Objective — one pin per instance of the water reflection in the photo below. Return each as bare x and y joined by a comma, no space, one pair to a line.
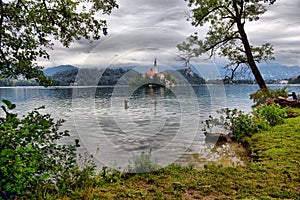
154,116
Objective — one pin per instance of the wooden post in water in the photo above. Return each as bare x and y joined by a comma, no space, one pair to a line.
126,104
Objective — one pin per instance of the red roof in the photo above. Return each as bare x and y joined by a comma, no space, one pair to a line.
150,72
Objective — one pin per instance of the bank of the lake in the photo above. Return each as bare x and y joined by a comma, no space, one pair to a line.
273,173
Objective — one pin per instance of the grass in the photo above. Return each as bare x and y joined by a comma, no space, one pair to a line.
273,174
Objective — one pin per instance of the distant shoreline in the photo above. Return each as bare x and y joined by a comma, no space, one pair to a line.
112,86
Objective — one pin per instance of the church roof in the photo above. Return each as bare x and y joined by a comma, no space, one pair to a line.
150,72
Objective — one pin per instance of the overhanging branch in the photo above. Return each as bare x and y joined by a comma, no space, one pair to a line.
231,16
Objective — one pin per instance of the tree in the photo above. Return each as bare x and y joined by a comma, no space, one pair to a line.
226,35
31,159
28,28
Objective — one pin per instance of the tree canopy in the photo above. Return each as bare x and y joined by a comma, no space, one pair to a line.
226,36
29,27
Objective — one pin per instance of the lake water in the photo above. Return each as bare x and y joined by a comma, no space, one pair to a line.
165,122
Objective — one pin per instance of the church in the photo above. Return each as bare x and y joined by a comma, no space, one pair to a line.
154,71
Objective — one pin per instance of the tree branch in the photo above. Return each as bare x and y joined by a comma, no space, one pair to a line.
224,41
1,22
33,19
215,9
47,10
242,7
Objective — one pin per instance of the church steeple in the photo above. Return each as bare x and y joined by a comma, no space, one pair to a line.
155,68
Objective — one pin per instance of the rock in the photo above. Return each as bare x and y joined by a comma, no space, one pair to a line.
218,137
285,102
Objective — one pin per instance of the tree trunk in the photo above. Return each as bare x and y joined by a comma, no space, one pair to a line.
259,79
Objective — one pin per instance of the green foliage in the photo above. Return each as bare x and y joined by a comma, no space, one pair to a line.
264,96
275,153
27,28
191,48
292,112
109,76
143,164
112,76
244,125
110,175
277,156
271,114
235,121
30,154
226,35
4,82
192,77
65,77
223,33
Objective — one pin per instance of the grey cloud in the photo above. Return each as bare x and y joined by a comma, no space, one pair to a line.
293,51
280,26
284,11
144,24
134,42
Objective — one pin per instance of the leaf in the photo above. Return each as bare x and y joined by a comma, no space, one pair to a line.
6,102
4,109
9,105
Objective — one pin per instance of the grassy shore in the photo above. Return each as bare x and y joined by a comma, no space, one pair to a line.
273,173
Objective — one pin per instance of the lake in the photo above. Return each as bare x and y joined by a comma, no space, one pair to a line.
165,122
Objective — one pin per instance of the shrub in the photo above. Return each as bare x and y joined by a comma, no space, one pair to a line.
30,154
241,124
265,96
110,175
143,164
235,121
271,114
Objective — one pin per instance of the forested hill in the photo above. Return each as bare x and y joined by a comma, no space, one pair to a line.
113,76
53,70
65,77
184,75
294,80
89,76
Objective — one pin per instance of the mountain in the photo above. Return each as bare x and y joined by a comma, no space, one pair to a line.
65,74
295,80
65,77
269,72
277,71
90,76
52,70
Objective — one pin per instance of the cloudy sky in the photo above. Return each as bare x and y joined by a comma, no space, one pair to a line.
141,30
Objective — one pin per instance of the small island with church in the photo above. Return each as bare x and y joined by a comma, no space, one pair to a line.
153,72
154,77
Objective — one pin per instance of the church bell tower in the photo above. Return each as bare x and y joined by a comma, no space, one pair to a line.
155,68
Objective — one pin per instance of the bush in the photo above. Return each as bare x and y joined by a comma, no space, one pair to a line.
266,96
110,175
241,124
143,164
271,114
235,121
29,152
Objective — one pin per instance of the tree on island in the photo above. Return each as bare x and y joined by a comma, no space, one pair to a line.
28,28
226,36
